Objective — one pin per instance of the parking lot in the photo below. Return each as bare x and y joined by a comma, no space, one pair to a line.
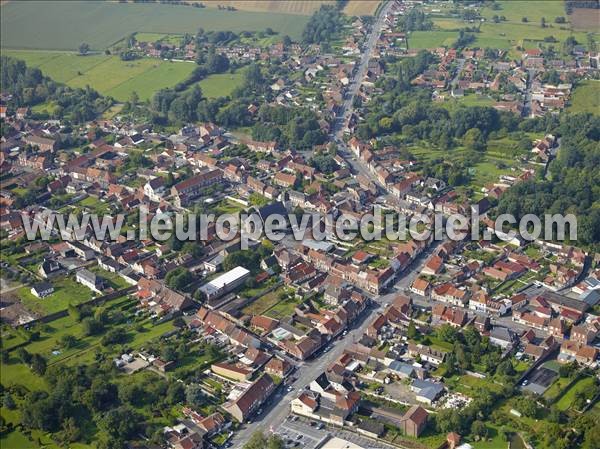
304,433
539,381
299,434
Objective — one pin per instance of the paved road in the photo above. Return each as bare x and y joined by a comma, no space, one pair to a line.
347,107
527,97
306,372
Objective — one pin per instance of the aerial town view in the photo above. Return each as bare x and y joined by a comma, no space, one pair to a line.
319,224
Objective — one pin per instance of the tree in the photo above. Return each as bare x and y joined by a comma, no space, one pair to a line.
70,431
134,98
412,332
479,429
178,278
258,440
67,341
524,19
543,22
23,356
474,140
84,48
195,396
9,402
38,364
560,19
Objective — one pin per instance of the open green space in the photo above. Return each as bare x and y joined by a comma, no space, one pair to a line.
109,75
264,303
515,10
65,25
586,98
431,39
566,400
66,291
220,84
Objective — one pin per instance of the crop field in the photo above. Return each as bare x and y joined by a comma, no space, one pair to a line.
586,98
107,74
301,7
585,19
65,25
361,7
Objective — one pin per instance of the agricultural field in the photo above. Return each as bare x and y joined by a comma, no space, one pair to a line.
585,19
586,98
361,7
109,75
65,25
301,7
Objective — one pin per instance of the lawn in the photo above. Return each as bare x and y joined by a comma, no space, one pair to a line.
107,74
431,39
264,303
567,399
556,388
586,97
66,291
221,84
65,25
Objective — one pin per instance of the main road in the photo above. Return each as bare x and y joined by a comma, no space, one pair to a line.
347,107
275,412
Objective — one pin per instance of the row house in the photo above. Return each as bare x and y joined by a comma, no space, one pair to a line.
185,191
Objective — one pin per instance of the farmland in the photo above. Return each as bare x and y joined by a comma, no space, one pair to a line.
107,74
64,25
586,98
301,7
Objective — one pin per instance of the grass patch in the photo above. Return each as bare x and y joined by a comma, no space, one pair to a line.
586,98
566,400
66,291
221,84
431,39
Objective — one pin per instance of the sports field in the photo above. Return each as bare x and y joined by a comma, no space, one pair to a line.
107,74
65,25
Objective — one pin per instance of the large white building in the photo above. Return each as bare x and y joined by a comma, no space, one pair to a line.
225,283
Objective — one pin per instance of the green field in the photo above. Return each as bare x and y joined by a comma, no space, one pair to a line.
431,39
66,291
514,10
586,98
567,399
65,25
504,35
220,84
109,75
